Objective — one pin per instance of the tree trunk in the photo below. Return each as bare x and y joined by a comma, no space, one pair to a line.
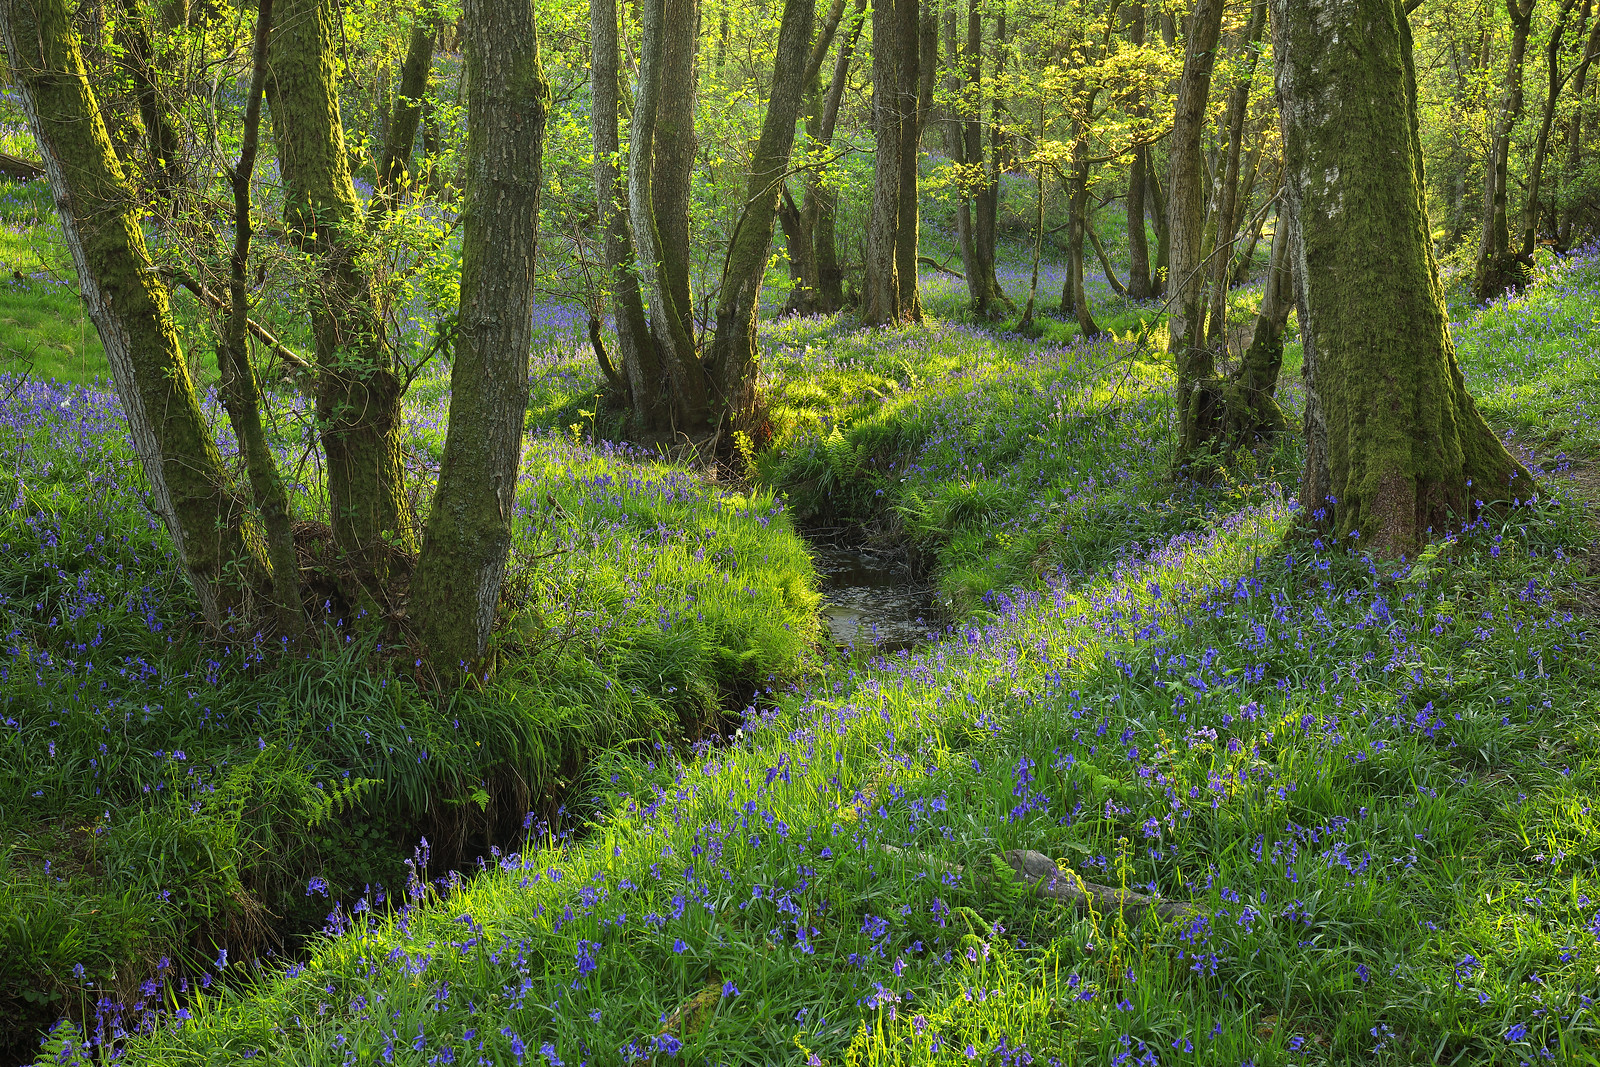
238,389
890,292
732,360
1229,210
1156,204
1250,408
1196,400
1074,295
1138,241
358,384
1397,452
1580,76
1498,269
401,136
980,197
641,366
138,61
1530,213
100,219
821,198
457,585
660,157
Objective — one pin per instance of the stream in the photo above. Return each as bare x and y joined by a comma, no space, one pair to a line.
873,598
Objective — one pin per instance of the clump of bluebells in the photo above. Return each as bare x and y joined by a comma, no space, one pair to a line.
1367,784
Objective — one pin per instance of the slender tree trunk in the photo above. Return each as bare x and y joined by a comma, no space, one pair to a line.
1398,453
799,220
641,367
659,165
821,199
457,585
239,390
1530,213
1227,218
1074,295
100,219
358,384
733,347
401,135
1139,287
1591,50
138,60
1196,401
1156,204
980,201
1250,407
1497,268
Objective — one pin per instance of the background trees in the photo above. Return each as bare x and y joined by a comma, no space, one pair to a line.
1138,142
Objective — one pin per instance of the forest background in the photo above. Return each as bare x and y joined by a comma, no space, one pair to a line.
347,528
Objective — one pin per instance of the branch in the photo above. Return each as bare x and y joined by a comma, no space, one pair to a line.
258,331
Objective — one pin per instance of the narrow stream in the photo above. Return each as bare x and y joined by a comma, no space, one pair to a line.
872,598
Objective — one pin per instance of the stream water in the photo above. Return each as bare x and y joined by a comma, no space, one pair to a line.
873,598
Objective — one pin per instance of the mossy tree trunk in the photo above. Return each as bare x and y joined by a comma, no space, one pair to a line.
1186,211
1396,450
359,388
660,158
1498,268
1580,76
641,366
732,358
891,292
457,584
401,136
100,219
1250,409
979,206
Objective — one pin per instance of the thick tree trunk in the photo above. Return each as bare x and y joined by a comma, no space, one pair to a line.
100,219
732,359
457,585
1498,269
1229,210
1197,396
890,292
641,366
660,157
358,384
1397,452
1530,213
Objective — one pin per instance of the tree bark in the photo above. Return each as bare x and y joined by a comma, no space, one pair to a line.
660,158
100,219
138,60
1397,452
641,366
1250,407
1196,400
1580,75
358,384
457,585
1498,269
732,359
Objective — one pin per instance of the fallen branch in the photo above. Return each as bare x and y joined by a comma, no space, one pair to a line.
18,169
929,261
